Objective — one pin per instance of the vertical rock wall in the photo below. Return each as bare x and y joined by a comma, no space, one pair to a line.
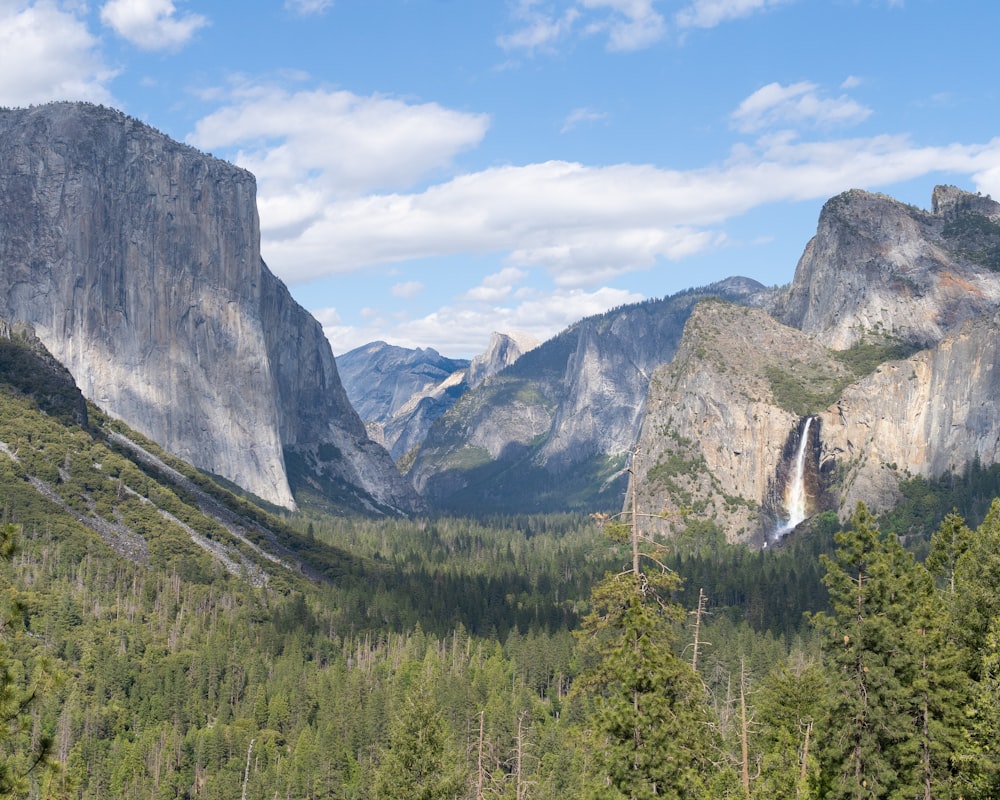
137,261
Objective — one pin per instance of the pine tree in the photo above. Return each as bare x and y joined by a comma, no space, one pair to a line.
865,750
896,690
650,718
416,763
977,628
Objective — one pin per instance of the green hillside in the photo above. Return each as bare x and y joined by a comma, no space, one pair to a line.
164,638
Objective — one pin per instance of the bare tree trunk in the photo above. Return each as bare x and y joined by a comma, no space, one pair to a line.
246,772
744,735
803,770
480,773
635,515
702,599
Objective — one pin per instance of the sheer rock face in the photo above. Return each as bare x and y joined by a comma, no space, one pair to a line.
137,261
400,392
553,429
716,437
930,414
878,265
503,350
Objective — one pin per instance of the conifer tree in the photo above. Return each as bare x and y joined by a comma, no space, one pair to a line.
650,718
864,752
896,691
417,764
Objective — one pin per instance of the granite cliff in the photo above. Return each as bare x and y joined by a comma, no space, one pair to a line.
551,432
881,360
400,392
136,260
878,265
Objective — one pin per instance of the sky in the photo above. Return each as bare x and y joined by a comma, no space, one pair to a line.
431,171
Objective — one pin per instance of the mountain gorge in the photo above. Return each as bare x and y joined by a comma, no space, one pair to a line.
136,260
551,431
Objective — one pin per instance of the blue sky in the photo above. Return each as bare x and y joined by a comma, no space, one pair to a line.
430,171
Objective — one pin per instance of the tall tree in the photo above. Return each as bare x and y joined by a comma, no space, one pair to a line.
891,729
650,714
22,753
418,763
863,753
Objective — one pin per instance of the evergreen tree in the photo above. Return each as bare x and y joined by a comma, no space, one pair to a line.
977,627
896,692
788,707
864,751
650,718
418,763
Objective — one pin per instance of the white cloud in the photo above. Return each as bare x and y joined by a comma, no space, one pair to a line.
310,148
306,7
538,30
628,24
48,54
498,286
458,330
709,13
581,115
406,289
585,224
151,24
795,105
631,25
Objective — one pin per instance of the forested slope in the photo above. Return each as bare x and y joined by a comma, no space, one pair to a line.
168,639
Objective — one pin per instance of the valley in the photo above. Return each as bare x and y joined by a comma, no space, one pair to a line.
741,541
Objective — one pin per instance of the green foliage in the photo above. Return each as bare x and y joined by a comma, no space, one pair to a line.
649,719
25,676
803,389
975,237
863,357
896,692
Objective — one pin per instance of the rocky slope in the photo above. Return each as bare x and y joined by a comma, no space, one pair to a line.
399,392
878,265
136,260
551,431
893,358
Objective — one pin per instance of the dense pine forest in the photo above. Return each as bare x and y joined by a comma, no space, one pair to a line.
164,638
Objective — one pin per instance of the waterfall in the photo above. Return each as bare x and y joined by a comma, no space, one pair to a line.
795,490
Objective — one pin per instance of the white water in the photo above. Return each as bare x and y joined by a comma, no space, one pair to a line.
795,490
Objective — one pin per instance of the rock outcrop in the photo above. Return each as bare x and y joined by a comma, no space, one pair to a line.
136,259
551,432
400,392
502,351
879,266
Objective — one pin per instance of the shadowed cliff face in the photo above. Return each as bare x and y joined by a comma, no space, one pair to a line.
137,261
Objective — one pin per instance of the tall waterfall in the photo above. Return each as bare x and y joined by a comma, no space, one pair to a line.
795,490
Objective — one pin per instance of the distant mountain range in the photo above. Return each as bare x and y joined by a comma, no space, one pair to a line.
135,261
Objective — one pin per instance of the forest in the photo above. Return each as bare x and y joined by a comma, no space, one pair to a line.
151,647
